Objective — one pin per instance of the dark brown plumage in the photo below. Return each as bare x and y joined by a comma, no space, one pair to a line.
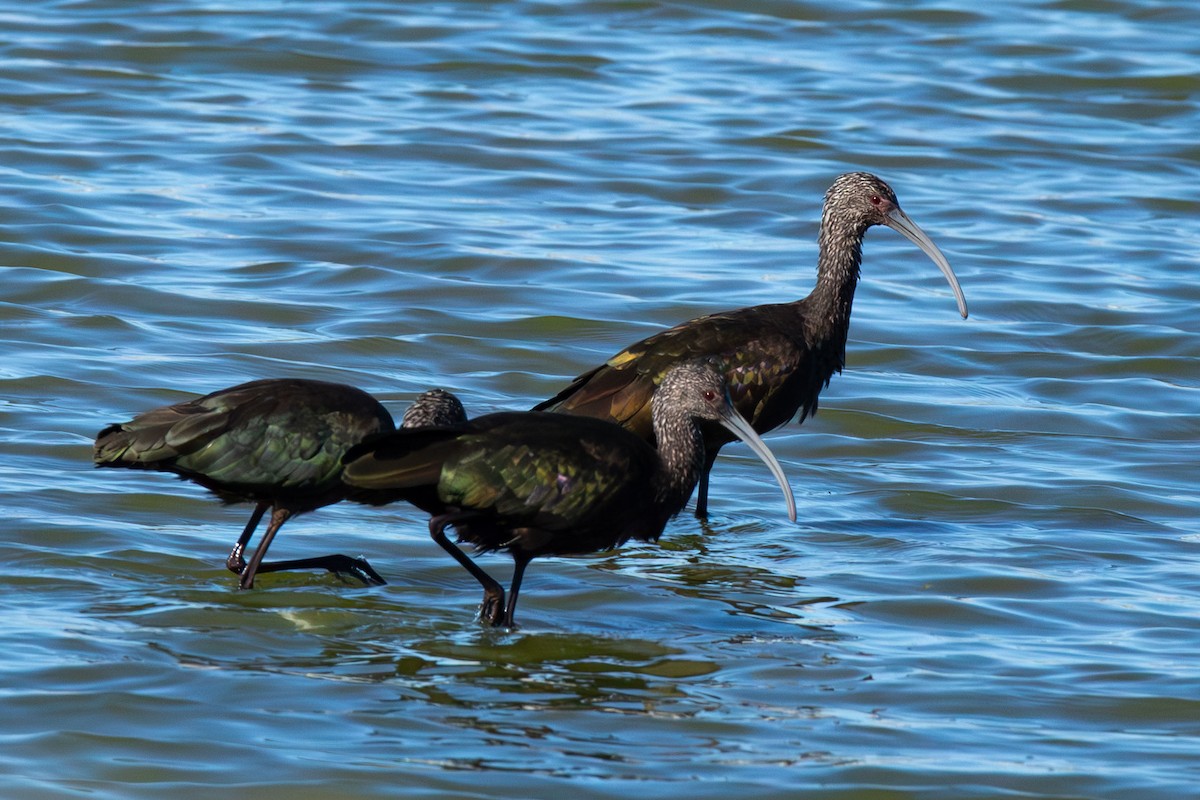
434,407
275,443
545,484
776,358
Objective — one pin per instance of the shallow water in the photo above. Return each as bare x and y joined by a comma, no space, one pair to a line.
992,590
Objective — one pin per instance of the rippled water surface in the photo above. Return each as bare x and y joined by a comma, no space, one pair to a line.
992,591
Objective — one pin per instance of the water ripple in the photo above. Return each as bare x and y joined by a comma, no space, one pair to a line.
493,198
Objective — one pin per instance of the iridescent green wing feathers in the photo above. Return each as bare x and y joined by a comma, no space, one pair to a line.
545,479
540,472
282,434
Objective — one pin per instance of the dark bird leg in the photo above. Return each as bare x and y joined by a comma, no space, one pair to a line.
336,563
710,457
521,561
278,517
236,562
493,592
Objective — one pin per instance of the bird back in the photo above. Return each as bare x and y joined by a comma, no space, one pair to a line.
525,472
265,437
771,368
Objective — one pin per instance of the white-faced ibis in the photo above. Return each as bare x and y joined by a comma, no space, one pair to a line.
548,484
776,357
434,407
276,443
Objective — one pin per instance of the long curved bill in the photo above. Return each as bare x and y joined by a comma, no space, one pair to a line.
739,427
899,221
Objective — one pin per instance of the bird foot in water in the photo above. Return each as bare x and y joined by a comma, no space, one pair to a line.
340,565
235,563
343,566
492,610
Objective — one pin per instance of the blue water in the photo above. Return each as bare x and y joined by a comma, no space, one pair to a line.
992,590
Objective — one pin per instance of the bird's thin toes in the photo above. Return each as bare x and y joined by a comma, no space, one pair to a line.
492,610
360,569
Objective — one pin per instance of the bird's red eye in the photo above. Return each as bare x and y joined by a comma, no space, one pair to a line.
709,394
876,199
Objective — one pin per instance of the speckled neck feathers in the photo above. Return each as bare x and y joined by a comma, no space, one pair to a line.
680,453
838,264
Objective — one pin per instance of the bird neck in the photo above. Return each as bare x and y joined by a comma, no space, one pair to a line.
838,264
680,456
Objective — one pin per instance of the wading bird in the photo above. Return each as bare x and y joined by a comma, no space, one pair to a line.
549,484
776,358
434,407
276,443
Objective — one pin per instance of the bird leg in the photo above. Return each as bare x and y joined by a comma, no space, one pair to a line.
520,560
493,593
336,563
702,489
278,517
235,563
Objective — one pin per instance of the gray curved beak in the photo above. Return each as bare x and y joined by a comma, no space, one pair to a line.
899,221
739,427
